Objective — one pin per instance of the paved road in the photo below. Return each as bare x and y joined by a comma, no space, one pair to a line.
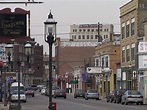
40,102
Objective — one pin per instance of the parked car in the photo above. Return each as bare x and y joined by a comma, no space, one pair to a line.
39,87
118,95
79,93
132,96
43,91
91,94
14,96
60,93
111,95
53,90
29,91
34,86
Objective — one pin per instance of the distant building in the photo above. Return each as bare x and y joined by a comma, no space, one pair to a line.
89,32
70,55
46,69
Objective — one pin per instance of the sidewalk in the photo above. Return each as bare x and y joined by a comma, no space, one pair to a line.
2,107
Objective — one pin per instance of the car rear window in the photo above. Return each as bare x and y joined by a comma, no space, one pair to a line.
93,91
134,92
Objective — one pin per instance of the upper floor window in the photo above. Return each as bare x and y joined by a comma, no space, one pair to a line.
123,31
102,62
132,26
91,36
133,52
106,61
92,30
83,36
128,53
97,62
127,28
96,36
87,36
123,54
79,37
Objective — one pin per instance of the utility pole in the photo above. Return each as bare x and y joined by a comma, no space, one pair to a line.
98,32
99,36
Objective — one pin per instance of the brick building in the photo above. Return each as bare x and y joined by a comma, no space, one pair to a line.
17,45
70,55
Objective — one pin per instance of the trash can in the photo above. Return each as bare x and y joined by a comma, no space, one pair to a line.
14,106
54,105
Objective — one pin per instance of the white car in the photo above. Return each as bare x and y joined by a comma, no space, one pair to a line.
43,91
14,96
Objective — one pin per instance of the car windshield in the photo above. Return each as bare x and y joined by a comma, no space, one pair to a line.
122,91
12,89
134,92
16,92
55,87
29,88
60,90
79,90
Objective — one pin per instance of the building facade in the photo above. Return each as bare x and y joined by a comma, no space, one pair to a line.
107,56
18,51
89,32
133,37
71,55
132,16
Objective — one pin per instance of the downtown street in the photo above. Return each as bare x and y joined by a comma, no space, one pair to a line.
40,102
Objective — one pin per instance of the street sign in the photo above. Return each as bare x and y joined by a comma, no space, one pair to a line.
10,79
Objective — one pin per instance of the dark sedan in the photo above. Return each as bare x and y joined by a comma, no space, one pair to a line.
79,93
60,93
29,91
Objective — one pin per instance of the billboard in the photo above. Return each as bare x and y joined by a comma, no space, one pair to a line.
13,25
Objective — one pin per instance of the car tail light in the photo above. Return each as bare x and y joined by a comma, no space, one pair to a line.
141,96
129,96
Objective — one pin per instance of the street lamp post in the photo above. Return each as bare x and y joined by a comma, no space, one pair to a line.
1,83
19,64
50,34
5,102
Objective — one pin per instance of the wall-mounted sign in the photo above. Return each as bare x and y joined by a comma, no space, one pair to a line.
78,44
142,47
142,61
13,25
94,70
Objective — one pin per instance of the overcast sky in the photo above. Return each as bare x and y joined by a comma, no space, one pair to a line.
68,12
